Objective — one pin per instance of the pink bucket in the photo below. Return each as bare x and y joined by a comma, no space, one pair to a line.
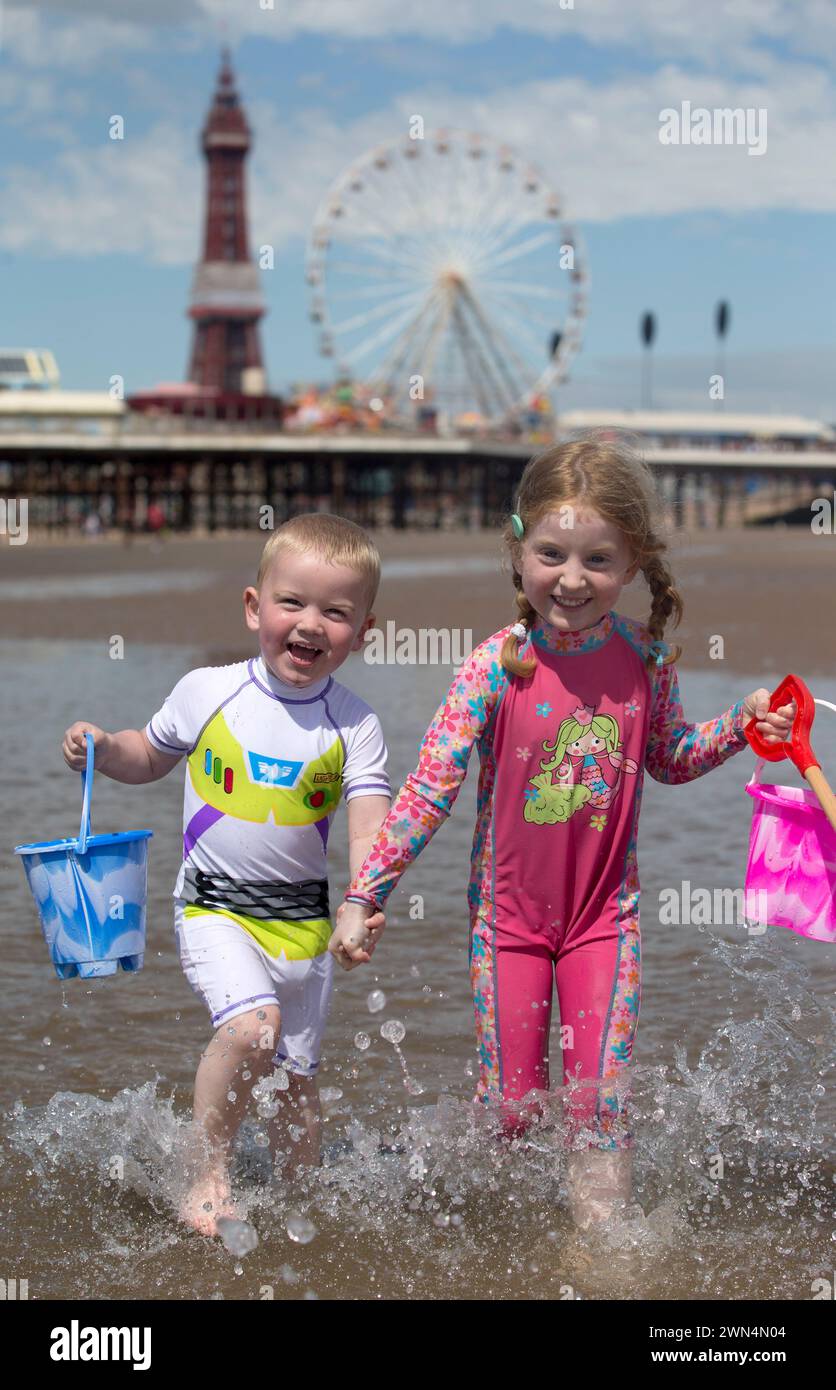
791,872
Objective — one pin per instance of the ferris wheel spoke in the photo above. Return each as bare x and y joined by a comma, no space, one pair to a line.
523,248
376,292
497,349
511,308
487,386
394,368
521,339
372,315
522,287
407,257
406,320
505,222
363,268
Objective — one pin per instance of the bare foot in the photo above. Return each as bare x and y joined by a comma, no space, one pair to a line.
207,1199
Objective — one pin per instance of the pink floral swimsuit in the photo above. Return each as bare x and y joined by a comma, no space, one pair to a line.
554,885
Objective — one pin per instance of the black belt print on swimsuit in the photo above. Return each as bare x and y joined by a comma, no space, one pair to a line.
292,902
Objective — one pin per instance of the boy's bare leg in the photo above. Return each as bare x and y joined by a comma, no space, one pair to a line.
245,1044
600,1182
295,1130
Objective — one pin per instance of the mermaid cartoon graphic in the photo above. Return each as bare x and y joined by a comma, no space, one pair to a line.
585,754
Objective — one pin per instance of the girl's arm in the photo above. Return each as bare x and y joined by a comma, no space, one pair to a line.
678,751
427,796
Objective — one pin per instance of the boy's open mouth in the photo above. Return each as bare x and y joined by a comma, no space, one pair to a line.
303,653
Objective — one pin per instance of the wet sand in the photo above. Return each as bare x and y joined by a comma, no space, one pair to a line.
764,591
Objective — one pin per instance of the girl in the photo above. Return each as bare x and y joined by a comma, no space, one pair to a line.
567,708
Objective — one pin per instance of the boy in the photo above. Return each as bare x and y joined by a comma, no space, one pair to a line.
271,745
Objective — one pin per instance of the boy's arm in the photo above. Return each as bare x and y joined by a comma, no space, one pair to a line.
130,756
678,751
125,757
350,941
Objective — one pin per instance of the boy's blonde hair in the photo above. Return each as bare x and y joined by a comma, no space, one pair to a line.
609,476
336,540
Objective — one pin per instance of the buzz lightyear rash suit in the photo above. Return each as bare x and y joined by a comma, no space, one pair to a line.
554,887
267,765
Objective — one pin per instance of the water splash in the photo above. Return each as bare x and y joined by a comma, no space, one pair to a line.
733,1175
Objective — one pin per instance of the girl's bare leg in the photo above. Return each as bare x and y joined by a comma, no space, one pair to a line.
600,1183
295,1130
245,1044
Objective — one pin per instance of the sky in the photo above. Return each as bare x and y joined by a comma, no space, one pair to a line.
98,238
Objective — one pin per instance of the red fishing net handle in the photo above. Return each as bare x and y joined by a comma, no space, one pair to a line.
798,747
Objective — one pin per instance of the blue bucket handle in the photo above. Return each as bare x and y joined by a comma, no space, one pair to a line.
86,793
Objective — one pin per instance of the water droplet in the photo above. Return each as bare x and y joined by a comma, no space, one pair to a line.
362,1041
281,1079
442,1220
300,1229
415,972
239,1237
413,1087
393,1030
245,1075
47,1042
376,1001
329,1095
177,1017
468,1068
231,1096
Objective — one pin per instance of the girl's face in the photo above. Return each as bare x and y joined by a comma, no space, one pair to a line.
574,565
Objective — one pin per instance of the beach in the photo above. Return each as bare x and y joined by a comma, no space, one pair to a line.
759,589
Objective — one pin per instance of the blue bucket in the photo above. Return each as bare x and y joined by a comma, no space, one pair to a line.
90,893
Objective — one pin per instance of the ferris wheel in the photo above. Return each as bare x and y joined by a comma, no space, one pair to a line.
441,271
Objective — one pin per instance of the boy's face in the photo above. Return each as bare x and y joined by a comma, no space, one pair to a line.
309,615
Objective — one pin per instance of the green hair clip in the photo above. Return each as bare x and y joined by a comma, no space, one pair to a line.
517,526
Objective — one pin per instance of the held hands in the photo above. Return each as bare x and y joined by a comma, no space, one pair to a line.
74,746
775,726
356,934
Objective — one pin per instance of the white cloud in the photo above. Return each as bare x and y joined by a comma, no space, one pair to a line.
597,145
28,39
122,196
713,36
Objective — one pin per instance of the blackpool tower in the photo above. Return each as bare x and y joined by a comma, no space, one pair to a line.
226,377
226,301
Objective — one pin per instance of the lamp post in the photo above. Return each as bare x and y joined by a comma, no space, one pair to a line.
648,333
722,318
554,344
